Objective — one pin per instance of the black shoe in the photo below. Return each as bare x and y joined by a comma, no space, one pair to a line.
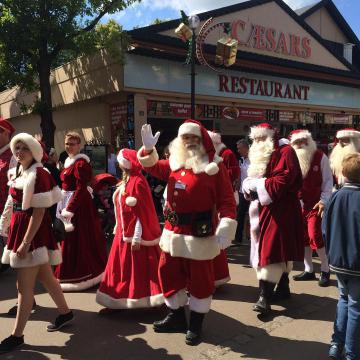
336,351
282,291
175,321
11,343
193,335
266,292
324,279
60,321
13,311
305,276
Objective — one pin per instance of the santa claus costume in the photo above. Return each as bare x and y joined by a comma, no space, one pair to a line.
274,179
221,266
314,194
131,275
84,246
200,216
347,141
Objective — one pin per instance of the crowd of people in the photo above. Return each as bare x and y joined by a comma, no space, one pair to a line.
297,199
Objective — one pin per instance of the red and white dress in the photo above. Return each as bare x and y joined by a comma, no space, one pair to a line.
84,246
35,188
131,277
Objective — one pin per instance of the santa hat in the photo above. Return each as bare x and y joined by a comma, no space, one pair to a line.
260,130
194,127
6,125
215,137
127,158
299,134
347,132
33,144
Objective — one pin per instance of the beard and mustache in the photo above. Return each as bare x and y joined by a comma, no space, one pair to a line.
259,157
305,155
337,155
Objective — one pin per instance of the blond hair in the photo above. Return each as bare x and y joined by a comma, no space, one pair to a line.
351,167
73,135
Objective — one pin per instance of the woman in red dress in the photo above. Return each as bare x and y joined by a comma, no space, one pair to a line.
31,247
84,246
131,275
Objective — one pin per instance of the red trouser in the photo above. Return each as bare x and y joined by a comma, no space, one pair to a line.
312,229
176,273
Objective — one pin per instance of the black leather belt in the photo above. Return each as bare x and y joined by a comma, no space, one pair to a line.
18,207
175,218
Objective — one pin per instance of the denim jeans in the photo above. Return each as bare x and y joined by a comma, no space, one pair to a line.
347,321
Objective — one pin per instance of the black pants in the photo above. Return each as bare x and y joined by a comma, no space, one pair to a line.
243,209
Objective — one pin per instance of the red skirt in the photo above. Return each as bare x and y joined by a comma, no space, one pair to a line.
131,278
221,269
43,249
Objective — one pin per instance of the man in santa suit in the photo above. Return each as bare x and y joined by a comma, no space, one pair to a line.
221,267
315,192
347,141
274,179
7,161
200,214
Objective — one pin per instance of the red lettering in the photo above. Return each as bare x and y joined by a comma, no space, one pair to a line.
278,89
251,38
267,93
223,83
270,37
234,84
295,46
260,88
281,45
306,53
306,90
259,32
234,30
287,93
297,92
252,85
243,85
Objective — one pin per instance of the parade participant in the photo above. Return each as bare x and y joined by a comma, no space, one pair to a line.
131,275
84,246
347,141
31,247
314,194
221,267
200,220
340,227
274,179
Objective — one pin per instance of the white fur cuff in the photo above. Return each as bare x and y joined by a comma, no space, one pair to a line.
263,195
147,160
67,214
226,229
273,272
200,305
179,299
131,201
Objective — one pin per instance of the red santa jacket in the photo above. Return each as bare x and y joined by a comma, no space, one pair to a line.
133,202
231,163
6,158
280,218
194,193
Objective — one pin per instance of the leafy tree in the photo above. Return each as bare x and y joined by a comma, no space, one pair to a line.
38,35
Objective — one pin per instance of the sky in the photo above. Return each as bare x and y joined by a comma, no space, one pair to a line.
145,12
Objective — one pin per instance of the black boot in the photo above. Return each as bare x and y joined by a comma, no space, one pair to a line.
175,321
266,290
282,291
193,335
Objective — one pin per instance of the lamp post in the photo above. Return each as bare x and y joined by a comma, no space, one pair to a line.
194,22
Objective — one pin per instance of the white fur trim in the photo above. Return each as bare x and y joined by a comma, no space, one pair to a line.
131,201
200,305
142,242
284,141
11,174
188,246
69,227
179,299
83,285
148,160
67,214
347,133
46,199
36,257
71,160
273,272
301,135
222,281
258,131
211,169
226,229
263,195
254,233
5,218
189,129
31,142
124,163
145,302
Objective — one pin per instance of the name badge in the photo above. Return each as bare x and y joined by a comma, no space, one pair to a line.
180,185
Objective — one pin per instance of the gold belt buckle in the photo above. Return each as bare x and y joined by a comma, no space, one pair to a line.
171,217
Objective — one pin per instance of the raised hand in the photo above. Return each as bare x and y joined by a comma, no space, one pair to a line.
149,140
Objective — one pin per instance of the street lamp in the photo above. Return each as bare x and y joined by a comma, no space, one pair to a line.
194,22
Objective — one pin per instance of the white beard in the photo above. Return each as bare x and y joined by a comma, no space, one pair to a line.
305,155
259,157
337,155
180,156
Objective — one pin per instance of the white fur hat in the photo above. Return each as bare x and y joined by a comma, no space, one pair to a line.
348,132
33,144
189,128
299,134
260,130
123,162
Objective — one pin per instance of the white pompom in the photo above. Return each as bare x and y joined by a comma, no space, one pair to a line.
211,169
130,201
